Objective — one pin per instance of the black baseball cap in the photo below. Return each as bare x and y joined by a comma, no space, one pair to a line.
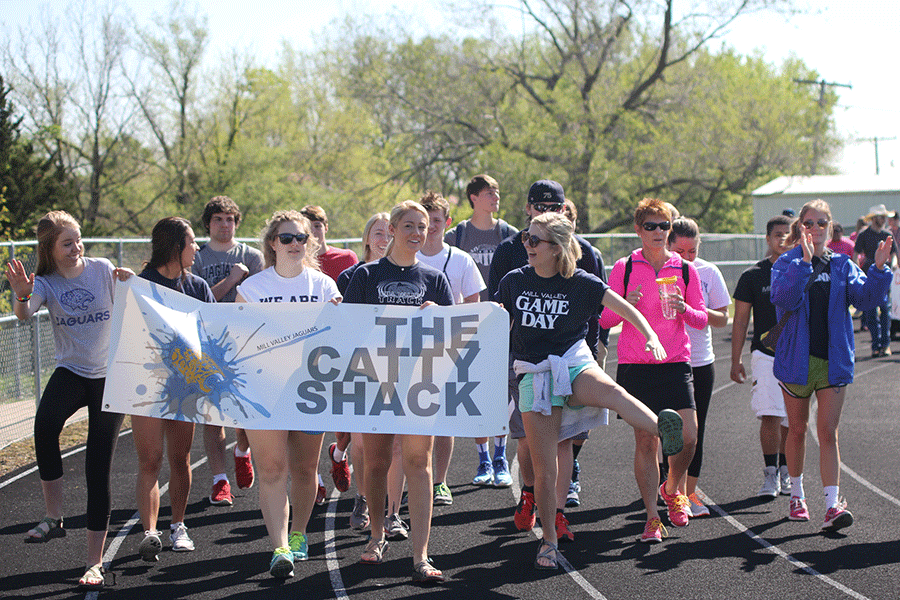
546,191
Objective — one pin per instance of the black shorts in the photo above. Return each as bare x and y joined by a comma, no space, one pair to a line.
659,386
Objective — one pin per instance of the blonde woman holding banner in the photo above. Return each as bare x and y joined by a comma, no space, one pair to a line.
400,279
291,275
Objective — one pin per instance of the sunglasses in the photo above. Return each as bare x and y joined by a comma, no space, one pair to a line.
287,238
822,223
665,226
533,240
542,208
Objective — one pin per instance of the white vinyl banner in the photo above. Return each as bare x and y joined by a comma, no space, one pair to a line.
441,370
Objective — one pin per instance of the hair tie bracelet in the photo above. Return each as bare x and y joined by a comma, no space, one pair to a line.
24,299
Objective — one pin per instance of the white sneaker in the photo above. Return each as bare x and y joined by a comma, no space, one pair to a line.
785,478
150,546
181,541
771,485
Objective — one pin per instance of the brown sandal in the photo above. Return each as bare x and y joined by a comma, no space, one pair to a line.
375,549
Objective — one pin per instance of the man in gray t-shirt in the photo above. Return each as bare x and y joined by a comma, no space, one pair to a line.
224,263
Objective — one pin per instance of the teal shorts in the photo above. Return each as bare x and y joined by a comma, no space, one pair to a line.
818,380
526,388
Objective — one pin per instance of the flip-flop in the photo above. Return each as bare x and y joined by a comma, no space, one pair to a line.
376,548
54,530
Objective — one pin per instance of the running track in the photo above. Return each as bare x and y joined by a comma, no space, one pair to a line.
746,549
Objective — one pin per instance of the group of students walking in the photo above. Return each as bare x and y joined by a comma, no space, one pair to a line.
552,284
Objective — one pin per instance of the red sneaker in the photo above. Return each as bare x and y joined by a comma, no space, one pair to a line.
340,471
562,529
524,517
320,495
243,471
221,494
678,504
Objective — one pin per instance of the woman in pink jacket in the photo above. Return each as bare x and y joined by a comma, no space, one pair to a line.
635,278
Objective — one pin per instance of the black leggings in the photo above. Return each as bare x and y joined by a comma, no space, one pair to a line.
65,393
703,387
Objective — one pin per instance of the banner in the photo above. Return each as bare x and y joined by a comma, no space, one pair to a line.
309,366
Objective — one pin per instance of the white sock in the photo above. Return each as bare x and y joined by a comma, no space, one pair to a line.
831,496
337,455
220,477
797,487
238,453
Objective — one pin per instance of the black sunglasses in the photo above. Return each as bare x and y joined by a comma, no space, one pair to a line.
542,208
822,223
287,238
533,240
665,226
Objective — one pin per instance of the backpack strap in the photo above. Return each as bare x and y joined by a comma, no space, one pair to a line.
627,274
685,273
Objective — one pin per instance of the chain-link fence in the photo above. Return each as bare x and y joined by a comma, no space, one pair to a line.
26,348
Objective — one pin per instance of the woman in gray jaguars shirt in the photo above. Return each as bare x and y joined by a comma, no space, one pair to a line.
78,292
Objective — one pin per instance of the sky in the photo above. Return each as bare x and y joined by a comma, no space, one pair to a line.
848,42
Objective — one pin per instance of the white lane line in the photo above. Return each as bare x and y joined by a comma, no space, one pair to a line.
775,549
331,560
27,472
539,533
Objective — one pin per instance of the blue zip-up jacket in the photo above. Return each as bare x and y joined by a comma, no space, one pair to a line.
848,286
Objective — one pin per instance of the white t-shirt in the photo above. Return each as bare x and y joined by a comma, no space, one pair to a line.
269,286
460,269
715,295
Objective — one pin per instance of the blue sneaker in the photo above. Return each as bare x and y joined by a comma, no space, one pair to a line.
485,475
299,546
502,478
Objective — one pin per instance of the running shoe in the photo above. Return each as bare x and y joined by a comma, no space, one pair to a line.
563,534
698,509
181,541
150,546
298,545
359,518
799,512
654,532
679,506
785,478
395,528
320,495
771,483
485,475
576,472
340,471
442,495
669,427
221,494
524,517
282,564
243,471
572,498
502,478
837,517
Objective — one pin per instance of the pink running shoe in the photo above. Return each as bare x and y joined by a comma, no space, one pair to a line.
837,517
678,504
799,512
654,532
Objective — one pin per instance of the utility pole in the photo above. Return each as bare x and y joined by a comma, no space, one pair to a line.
822,85
876,140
